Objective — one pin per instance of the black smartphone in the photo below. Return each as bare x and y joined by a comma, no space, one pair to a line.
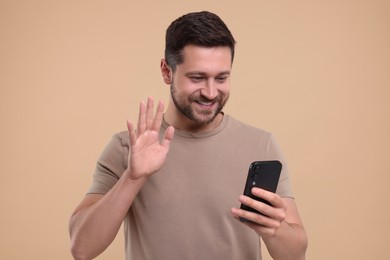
264,175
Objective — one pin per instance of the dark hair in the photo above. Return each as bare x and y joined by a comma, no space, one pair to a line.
203,29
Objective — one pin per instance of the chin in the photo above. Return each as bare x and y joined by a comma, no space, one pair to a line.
206,119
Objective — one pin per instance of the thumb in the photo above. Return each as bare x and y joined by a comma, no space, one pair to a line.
168,136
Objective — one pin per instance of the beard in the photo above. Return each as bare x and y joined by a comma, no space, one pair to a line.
203,117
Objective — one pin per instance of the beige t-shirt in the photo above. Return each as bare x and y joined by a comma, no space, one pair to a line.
183,211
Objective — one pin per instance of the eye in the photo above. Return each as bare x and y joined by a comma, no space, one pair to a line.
196,78
221,79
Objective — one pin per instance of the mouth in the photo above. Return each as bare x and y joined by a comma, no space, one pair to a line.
205,103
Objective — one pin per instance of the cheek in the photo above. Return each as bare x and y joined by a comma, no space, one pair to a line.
185,87
225,89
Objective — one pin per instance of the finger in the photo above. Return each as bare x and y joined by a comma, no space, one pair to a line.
168,136
262,230
141,118
260,206
149,113
132,134
271,197
277,209
255,218
158,117
255,204
248,215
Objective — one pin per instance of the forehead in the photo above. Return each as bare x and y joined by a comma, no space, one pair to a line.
206,59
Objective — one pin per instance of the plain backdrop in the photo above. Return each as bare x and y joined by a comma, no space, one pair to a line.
315,73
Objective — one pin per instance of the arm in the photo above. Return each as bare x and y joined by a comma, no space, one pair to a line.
96,221
280,227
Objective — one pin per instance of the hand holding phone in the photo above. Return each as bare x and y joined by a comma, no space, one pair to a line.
264,175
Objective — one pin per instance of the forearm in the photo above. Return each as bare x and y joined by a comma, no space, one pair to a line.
94,227
289,242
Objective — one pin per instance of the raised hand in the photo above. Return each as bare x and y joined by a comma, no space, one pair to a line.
147,152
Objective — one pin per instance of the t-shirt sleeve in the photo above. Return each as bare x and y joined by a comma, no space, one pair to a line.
284,189
110,165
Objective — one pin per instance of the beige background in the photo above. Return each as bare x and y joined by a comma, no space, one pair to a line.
315,73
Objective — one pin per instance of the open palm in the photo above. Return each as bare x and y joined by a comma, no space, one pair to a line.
147,151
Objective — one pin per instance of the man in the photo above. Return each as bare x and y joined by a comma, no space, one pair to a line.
174,178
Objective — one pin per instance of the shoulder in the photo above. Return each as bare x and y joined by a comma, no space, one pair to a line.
244,128
122,138
117,149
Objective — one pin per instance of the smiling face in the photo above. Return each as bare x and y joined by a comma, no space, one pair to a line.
200,87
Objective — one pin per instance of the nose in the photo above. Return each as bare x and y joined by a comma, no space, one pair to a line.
209,91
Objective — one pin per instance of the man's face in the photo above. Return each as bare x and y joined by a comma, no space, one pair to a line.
201,84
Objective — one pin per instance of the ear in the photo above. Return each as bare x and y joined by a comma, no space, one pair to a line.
166,72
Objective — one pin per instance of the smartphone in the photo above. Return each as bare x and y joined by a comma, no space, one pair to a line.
264,175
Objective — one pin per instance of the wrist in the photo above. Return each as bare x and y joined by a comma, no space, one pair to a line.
134,177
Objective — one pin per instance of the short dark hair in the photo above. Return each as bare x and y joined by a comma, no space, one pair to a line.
203,29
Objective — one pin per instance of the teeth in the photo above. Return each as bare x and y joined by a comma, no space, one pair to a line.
205,103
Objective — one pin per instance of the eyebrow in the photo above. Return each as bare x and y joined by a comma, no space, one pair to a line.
192,73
